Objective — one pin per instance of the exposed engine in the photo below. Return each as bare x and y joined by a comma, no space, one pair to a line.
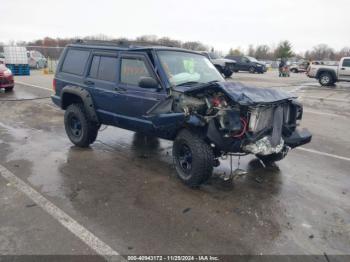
213,105
259,129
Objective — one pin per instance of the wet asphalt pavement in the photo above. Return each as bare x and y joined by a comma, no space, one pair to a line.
124,190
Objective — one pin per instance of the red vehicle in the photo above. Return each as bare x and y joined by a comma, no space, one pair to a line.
6,78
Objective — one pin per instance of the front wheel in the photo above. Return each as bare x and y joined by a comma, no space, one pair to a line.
193,158
252,70
326,79
9,89
80,130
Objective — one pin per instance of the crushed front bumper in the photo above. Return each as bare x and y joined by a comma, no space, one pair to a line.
298,138
265,146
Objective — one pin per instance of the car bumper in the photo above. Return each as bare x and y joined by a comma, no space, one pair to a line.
261,69
298,138
6,83
56,100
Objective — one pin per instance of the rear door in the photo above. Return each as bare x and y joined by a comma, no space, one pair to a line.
344,70
101,81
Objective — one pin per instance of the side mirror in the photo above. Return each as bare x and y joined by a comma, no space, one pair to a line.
148,82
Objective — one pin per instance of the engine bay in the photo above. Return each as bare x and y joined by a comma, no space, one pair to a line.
257,129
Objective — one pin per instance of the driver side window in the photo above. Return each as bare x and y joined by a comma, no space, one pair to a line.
132,70
346,63
245,60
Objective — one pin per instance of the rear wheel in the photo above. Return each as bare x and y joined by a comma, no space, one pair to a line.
252,70
227,73
80,130
193,158
326,79
294,70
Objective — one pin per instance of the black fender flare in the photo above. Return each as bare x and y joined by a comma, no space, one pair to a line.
323,70
85,96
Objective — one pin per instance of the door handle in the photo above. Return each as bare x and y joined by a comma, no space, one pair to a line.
342,68
89,83
120,89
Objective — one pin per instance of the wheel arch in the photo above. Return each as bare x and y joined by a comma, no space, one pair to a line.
324,70
74,94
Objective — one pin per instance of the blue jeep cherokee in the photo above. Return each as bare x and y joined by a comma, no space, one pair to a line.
174,94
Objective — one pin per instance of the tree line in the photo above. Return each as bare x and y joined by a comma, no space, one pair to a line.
52,47
285,50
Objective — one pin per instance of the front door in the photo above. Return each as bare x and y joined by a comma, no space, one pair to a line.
344,70
137,101
244,63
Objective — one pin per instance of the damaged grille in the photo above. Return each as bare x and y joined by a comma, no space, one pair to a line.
267,117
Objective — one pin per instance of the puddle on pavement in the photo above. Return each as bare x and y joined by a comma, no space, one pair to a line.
17,94
134,175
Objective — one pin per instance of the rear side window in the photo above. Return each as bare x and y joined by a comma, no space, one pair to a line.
132,70
108,68
75,61
346,62
103,68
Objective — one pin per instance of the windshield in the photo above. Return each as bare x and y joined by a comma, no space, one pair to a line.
252,59
182,67
214,56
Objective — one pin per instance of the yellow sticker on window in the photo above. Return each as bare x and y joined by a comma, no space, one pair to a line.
189,65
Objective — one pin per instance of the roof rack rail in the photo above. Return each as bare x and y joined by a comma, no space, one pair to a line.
120,43
102,42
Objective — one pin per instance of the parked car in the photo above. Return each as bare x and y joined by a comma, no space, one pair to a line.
327,75
247,63
6,78
174,94
36,59
224,65
299,67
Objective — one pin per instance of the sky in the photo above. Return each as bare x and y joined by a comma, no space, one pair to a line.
221,24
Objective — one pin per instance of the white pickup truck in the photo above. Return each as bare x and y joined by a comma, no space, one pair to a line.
327,75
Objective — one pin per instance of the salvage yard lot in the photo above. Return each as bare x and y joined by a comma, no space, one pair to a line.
124,191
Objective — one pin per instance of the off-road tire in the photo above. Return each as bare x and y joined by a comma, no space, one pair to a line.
89,129
202,158
326,79
252,70
227,73
9,89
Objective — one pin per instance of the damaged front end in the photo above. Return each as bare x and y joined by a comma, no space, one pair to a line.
237,119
